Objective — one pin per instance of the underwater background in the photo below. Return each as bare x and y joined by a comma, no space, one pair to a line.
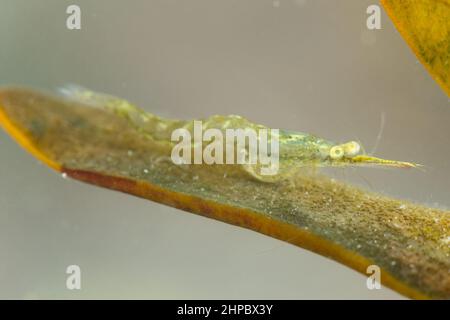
302,65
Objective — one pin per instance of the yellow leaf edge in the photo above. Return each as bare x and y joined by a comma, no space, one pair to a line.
412,44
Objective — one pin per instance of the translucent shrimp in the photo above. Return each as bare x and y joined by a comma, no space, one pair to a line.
297,150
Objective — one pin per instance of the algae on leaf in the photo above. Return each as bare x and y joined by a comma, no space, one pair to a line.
409,242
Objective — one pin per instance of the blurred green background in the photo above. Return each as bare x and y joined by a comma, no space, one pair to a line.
303,65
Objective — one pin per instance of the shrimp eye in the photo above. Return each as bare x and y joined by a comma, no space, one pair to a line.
336,152
351,148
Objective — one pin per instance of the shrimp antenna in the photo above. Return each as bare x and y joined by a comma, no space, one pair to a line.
367,182
380,132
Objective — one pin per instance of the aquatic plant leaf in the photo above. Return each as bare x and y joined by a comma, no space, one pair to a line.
409,242
425,25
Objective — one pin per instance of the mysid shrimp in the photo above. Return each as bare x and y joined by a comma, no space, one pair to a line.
287,152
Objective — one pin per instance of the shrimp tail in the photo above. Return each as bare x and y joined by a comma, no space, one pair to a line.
96,99
135,115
